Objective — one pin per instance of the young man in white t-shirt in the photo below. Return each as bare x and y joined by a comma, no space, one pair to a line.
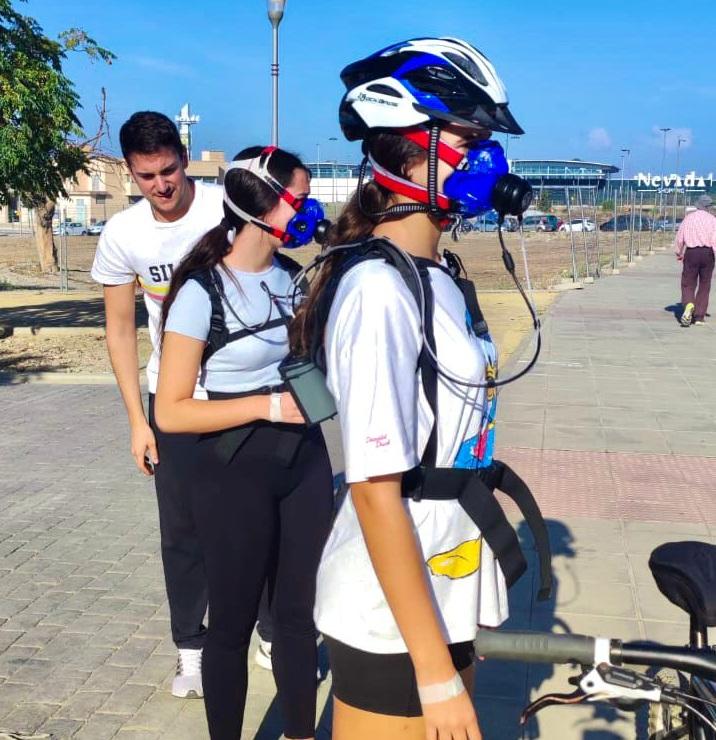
141,246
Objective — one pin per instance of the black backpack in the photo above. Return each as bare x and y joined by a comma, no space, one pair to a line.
473,488
219,335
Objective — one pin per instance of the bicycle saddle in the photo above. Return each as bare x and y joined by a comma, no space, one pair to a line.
685,573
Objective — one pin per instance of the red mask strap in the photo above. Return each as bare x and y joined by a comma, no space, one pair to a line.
274,184
446,153
404,187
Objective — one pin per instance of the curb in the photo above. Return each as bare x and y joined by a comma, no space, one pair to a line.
57,331
56,378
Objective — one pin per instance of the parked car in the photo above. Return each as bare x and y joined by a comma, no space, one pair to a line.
96,229
579,224
541,222
485,222
70,229
623,223
667,224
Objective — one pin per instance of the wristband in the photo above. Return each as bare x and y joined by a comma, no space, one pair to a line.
437,692
275,414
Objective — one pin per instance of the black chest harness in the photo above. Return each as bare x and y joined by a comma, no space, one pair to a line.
219,334
229,441
473,488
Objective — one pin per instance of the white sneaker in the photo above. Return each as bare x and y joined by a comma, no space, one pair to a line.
187,681
263,654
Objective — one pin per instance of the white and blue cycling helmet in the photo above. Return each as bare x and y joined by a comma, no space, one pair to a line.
424,81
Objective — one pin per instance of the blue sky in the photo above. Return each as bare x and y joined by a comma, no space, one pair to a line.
585,79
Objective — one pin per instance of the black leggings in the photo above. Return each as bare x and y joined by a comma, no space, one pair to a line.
264,514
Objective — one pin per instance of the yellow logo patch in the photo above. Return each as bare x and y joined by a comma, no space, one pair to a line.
460,562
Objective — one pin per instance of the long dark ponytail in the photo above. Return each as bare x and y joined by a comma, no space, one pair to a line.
396,154
252,195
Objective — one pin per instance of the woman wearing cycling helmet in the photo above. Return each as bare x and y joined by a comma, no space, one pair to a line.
263,491
404,583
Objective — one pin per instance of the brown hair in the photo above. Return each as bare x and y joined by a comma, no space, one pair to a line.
252,195
396,154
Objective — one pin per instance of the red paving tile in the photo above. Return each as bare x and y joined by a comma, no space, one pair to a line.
618,485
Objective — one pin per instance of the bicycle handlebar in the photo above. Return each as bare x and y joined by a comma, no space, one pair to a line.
545,647
537,647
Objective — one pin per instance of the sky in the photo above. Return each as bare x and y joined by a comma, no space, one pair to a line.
585,79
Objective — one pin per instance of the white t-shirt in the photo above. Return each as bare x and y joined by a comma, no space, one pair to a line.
250,362
373,341
135,246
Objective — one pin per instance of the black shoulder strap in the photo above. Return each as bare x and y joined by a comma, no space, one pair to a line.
218,333
428,371
467,288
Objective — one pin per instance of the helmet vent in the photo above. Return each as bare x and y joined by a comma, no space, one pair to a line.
468,67
384,90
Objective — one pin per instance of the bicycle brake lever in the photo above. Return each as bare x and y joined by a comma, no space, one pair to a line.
550,700
609,682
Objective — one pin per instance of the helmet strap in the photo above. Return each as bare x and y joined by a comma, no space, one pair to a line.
435,209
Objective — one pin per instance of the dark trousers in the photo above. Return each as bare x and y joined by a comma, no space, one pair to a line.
263,515
698,269
184,575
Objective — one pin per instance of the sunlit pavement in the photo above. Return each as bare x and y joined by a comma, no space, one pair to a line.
614,432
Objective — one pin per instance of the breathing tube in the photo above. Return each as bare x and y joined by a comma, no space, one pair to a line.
481,181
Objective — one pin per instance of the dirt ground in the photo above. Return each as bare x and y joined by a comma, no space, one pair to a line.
29,298
550,257
84,354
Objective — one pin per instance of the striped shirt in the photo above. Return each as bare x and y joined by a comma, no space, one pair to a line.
698,229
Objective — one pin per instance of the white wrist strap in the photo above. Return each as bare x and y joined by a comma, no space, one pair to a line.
437,692
275,408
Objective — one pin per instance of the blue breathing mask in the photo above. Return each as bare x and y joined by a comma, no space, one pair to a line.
302,228
472,187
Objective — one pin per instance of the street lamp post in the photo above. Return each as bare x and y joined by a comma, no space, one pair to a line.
663,153
625,154
275,14
333,189
679,142
663,158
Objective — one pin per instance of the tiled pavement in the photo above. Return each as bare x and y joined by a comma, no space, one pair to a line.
613,430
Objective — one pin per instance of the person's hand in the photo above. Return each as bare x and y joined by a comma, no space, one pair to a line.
290,413
453,719
679,257
144,445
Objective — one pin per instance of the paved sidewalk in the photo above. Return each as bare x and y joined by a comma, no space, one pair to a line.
615,432
612,430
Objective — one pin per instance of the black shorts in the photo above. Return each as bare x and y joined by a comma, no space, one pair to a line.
383,683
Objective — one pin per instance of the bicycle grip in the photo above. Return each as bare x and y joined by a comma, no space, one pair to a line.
535,647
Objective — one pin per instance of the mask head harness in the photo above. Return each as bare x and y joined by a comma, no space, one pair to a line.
481,181
309,221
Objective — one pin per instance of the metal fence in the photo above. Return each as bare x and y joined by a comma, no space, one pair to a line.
606,234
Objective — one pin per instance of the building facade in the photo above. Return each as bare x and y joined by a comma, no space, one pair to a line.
105,190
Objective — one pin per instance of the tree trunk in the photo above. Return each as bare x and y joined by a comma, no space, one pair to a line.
46,249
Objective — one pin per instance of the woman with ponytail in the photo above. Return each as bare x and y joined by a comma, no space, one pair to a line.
263,488
406,575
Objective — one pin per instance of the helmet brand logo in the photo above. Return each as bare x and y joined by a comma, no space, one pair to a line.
363,98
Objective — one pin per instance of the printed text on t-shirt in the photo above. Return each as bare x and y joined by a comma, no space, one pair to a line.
161,273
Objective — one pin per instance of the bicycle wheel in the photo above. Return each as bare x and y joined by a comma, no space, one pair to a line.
667,718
